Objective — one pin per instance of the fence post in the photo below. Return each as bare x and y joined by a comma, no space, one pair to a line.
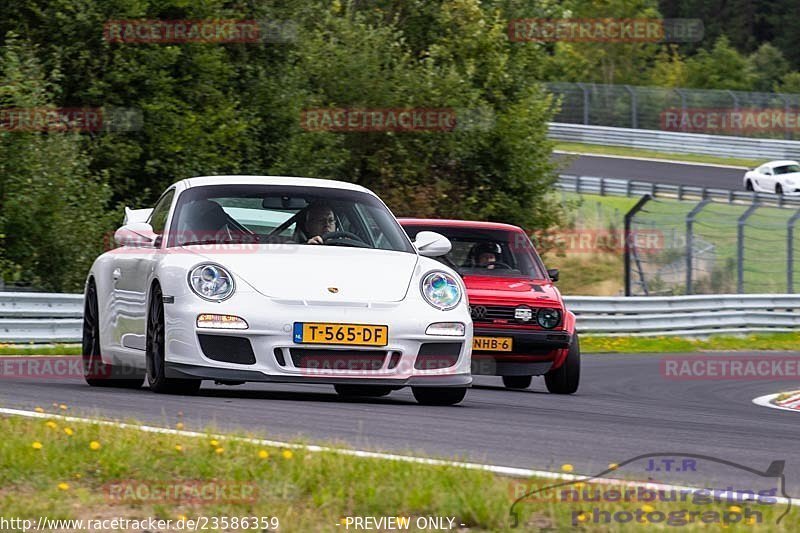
790,252
683,104
628,218
740,246
787,108
735,100
585,104
634,117
690,241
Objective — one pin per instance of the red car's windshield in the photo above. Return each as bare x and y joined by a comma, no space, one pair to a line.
487,252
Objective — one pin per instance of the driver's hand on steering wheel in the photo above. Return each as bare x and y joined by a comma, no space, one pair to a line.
317,239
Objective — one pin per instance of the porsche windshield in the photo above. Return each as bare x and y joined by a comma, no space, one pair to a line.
487,252
787,169
284,215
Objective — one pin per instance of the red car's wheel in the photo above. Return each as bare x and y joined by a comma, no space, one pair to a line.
565,379
517,382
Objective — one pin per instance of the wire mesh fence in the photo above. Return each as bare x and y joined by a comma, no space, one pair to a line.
713,248
724,112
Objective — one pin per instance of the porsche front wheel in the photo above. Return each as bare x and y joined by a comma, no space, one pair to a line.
156,366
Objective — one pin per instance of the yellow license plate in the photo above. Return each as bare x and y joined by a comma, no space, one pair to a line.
350,334
492,344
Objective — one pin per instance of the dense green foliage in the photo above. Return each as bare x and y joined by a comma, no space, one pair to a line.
210,108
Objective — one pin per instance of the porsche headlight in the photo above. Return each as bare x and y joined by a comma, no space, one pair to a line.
211,282
548,317
441,290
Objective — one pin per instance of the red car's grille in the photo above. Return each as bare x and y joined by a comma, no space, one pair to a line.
488,313
504,314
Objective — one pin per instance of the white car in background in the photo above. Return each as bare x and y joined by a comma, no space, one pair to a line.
779,177
220,282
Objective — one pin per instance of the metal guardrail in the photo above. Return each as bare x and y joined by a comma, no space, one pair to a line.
24,318
675,142
686,315
621,187
40,317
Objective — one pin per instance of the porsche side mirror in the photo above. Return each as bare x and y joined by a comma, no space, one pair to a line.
135,234
432,244
136,215
553,273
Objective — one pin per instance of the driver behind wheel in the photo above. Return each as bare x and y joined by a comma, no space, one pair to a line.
319,220
485,254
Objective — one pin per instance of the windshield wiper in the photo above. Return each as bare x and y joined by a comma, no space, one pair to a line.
219,241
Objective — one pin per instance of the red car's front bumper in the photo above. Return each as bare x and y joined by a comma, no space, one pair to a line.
534,352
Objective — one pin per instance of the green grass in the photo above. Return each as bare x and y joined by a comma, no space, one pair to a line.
584,148
34,349
67,478
600,344
666,344
596,344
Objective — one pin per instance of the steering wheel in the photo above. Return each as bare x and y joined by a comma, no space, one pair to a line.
344,238
499,265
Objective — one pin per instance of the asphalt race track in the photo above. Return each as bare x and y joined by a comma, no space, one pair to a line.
670,173
624,408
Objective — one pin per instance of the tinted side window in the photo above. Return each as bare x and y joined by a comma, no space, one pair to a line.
158,219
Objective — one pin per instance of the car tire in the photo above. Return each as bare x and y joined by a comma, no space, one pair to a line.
156,366
370,391
517,382
95,371
749,186
439,395
565,379
778,188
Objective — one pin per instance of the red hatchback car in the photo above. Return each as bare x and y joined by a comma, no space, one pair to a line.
521,326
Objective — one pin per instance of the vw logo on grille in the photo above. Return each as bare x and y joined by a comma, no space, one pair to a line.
478,312
523,313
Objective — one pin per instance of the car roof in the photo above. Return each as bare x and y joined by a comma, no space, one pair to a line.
780,162
203,181
477,224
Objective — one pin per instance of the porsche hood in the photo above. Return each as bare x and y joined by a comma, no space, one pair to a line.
319,273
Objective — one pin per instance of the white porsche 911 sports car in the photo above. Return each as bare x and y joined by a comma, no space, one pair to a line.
779,177
249,278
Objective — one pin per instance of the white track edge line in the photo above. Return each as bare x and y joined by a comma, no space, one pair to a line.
503,470
652,159
766,401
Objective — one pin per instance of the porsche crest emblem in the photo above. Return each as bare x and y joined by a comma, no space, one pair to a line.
333,290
